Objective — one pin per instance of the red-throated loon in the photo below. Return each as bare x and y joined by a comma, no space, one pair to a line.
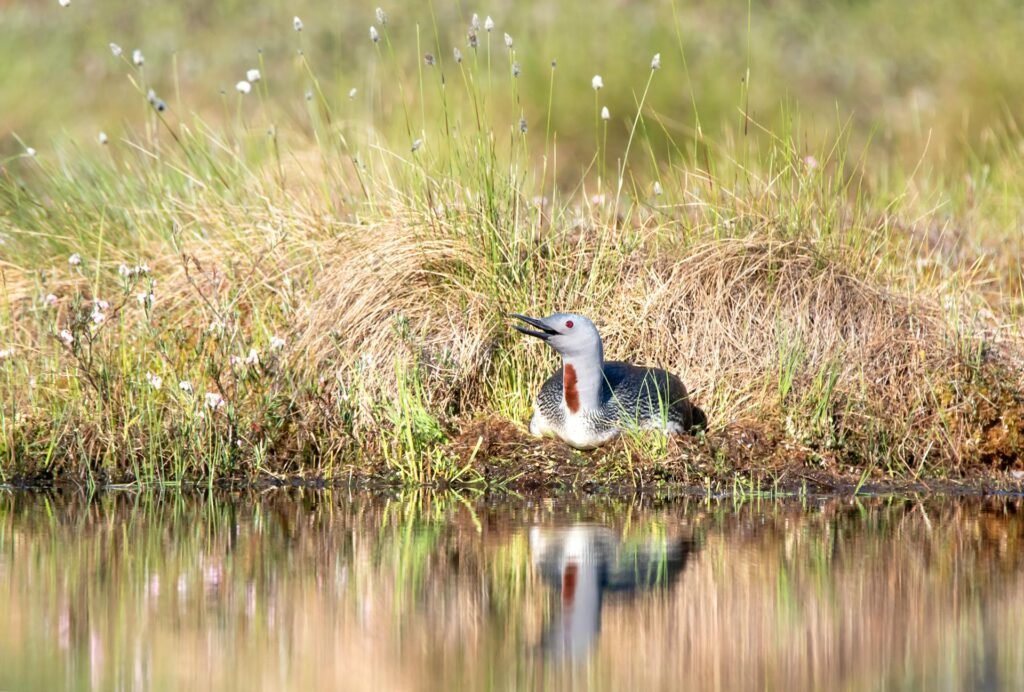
590,401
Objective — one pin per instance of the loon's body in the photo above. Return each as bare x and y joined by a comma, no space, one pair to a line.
589,402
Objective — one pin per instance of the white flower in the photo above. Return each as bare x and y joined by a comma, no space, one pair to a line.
29,151
605,114
144,299
102,137
185,386
64,3
657,189
138,58
155,381
75,260
656,62
597,82
213,400
352,93
243,87
124,270
98,317
458,54
297,23
417,144
50,299
475,21
382,18
508,41
253,75
253,358
309,94
116,50
101,304
276,343
489,24
6,353
141,268
374,36
66,336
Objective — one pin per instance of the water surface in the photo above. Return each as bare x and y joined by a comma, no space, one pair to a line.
309,590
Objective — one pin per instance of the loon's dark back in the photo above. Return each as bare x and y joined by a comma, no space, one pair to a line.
651,392
634,392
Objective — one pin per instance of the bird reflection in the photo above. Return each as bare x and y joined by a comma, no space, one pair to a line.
584,562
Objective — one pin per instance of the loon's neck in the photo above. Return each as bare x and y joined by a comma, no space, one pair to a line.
582,381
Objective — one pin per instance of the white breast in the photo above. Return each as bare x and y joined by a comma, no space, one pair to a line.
577,431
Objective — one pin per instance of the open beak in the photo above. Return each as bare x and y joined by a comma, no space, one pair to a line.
545,332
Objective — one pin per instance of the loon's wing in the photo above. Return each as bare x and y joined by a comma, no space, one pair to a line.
649,392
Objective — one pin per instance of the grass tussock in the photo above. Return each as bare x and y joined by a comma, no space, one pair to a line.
327,300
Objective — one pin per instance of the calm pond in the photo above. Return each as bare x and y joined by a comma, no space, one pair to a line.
308,590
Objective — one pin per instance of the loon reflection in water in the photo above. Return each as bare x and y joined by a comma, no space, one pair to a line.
582,563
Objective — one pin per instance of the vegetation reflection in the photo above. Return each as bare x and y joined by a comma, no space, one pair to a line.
293,589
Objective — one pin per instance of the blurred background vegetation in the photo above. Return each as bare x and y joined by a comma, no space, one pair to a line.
938,80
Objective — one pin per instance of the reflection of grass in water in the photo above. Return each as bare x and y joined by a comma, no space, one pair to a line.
822,596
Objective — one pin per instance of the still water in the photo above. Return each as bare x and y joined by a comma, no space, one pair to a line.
309,590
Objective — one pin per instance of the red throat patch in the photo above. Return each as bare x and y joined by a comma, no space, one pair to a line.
572,395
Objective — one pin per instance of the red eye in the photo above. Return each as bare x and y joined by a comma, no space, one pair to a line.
568,324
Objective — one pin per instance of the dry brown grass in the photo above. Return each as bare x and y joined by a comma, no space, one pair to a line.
793,337
911,377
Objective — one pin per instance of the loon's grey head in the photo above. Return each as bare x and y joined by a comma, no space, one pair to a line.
572,335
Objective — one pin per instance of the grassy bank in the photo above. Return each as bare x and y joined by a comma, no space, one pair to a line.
315,286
